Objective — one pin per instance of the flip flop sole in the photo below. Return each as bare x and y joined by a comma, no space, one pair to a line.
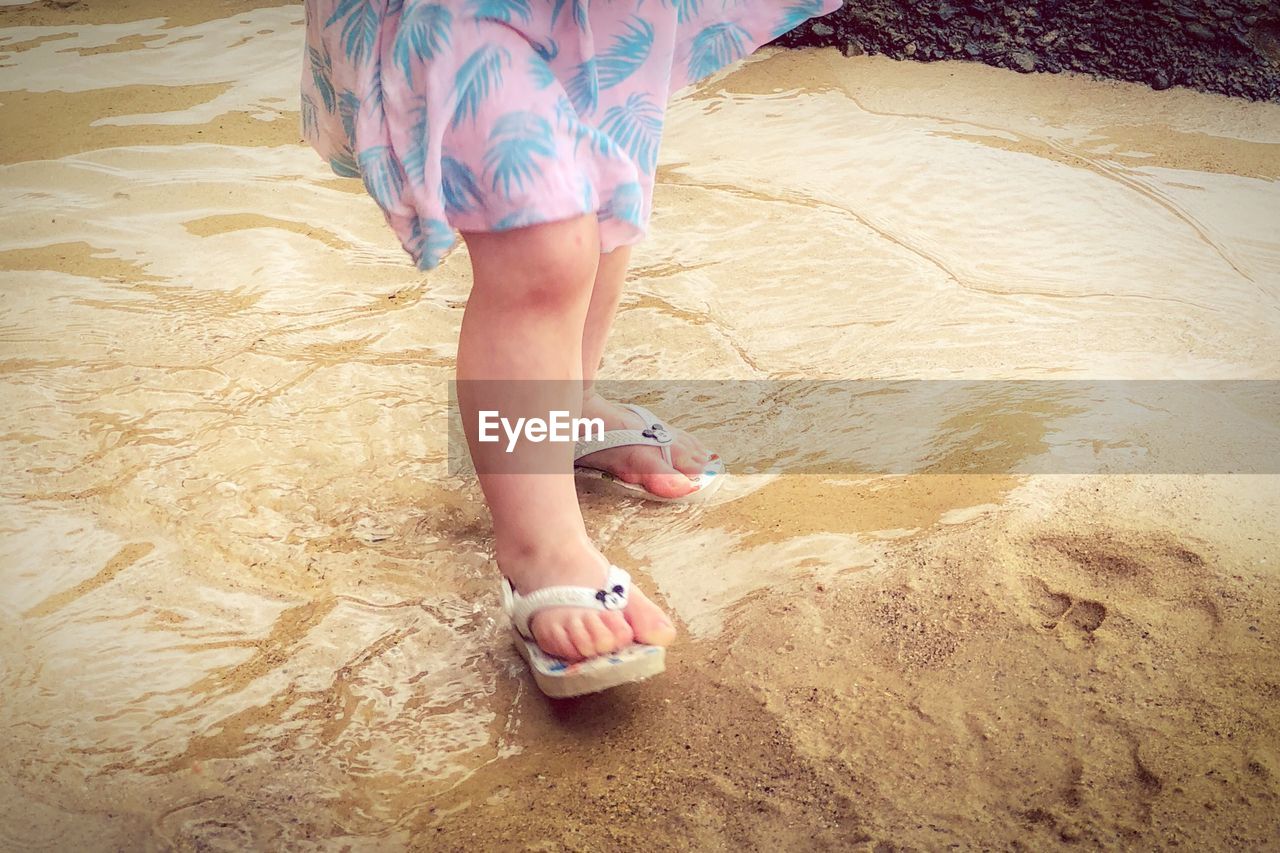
560,679
706,483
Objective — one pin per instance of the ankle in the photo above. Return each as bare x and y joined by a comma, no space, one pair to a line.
532,563
595,404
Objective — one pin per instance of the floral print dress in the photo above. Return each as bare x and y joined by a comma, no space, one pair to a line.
487,115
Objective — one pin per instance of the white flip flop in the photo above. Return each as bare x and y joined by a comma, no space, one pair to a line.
656,434
558,678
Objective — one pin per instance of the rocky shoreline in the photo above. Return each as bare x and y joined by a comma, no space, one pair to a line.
1227,46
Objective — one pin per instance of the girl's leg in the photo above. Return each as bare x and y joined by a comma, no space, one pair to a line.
524,322
643,465
606,293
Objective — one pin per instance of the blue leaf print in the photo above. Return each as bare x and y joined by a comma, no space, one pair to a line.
686,10
519,219
415,156
625,204
516,138
394,7
359,28
797,13
580,13
548,51
479,75
344,165
600,142
321,68
584,87
310,127
636,125
348,106
439,236
715,47
382,176
423,33
565,116
627,53
461,190
373,102
540,74
501,10
430,238
567,120
555,12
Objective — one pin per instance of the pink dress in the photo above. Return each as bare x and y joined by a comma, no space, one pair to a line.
486,115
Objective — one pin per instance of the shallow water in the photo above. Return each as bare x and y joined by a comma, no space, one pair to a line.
237,574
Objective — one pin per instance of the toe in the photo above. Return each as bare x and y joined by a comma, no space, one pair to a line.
645,468
687,461
692,444
620,627
580,636
647,620
602,638
669,484
573,634
552,638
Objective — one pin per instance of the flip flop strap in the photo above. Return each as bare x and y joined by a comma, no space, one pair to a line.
655,434
521,608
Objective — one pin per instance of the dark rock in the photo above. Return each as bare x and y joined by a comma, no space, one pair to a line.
1227,46
1023,61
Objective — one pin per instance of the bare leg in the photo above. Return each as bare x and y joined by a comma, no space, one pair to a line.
525,320
643,465
606,292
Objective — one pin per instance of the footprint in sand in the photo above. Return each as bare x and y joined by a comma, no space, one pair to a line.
1059,607
1155,579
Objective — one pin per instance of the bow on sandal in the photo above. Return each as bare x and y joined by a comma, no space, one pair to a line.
558,678
654,434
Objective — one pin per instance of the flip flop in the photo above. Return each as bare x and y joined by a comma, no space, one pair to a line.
656,434
558,678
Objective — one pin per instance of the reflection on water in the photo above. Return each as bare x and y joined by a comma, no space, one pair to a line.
244,600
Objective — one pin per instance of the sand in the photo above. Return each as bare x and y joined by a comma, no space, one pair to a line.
247,605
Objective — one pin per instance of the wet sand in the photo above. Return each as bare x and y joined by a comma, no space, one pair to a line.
246,605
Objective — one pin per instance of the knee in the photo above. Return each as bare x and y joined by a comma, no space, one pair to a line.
545,268
555,277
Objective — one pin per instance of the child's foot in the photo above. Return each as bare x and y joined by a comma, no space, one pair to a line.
574,633
642,465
